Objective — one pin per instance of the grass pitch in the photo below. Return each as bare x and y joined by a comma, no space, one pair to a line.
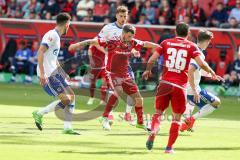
215,137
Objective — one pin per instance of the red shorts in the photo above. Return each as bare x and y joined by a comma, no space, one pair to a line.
167,93
97,74
127,83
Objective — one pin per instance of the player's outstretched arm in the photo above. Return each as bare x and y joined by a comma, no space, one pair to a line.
75,46
42,49
150,65
152,45
203,64
191,80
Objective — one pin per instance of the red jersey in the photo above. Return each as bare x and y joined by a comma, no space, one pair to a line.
97,59
119,54
177,53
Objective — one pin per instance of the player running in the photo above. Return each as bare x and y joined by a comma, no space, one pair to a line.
205,101
97,71
118,77
177,54
108,32
52,77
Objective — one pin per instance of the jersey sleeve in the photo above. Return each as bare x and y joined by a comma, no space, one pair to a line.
104,33
48,39
194,64
138,44
159,49
102,42
196,51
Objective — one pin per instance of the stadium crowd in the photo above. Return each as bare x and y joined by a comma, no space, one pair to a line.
224,14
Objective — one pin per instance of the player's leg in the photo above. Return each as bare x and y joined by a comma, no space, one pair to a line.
103,90
178,101
161,103
92,77
208,104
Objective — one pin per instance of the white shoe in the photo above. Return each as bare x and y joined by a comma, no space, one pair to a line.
106,125
90,101
102,102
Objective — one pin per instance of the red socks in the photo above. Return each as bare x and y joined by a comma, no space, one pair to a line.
173,134
103,92
110,104
154,126
139,112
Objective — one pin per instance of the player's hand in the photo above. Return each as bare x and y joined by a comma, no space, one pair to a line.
146,75
136,53
43,79
72,47
196,96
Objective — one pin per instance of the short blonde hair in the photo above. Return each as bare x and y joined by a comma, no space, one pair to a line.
122,9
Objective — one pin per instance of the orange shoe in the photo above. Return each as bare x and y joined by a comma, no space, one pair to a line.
190,121
183,127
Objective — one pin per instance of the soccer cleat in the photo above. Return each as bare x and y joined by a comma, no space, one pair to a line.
187,125
183,127
128,117
169,150
149,145
105,124
70,131
38,119
90,101
142,126
110,119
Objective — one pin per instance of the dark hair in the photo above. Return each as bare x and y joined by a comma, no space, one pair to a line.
22,42
122,9
129,28
62,18
204,35
182,29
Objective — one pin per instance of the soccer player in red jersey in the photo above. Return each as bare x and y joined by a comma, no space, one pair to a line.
97,65
177,53
118,77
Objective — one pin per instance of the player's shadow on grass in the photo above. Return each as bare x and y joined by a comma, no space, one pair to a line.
207,148
105,152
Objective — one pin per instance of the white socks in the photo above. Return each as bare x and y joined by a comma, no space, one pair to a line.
128,108
49,108
204,111
189,110
68,113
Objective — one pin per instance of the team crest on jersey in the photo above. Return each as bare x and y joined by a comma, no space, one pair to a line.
55,52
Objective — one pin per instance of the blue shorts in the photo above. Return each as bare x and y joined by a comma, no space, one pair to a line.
131,73
56,85
205,98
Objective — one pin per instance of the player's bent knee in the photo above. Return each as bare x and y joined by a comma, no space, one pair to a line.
139,101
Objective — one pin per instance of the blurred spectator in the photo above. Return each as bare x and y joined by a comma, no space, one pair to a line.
31,6
8,54
48,16
20,61
166,14
143,20
107,20
232,23
166,34
149,11
3,7
69,7
136,11
187,19
235,12
236,65
33,60
12,6
198,15
51,6
222,65
100,10
218,16
82,8
182,11
113,9
89,17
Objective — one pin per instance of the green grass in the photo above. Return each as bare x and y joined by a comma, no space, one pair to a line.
215,137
